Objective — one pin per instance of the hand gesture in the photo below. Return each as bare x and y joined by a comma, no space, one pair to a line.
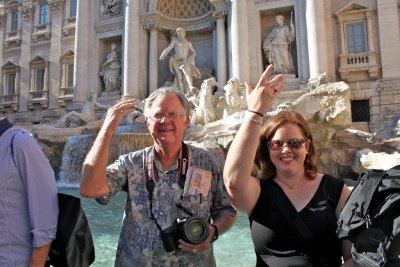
115,114
263,96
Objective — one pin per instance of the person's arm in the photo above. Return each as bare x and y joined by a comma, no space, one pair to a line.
94,182
168,49
39,256
223,223
41,194
99,105
346,244
243,189
346,253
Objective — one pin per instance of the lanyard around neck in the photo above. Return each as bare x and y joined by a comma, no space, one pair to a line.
151,179
183,166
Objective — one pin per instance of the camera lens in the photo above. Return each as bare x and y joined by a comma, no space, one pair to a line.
196,230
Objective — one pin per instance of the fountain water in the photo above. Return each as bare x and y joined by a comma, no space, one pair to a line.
126,139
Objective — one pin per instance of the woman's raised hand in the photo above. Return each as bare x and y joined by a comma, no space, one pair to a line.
261,98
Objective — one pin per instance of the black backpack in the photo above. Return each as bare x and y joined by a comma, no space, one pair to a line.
371,218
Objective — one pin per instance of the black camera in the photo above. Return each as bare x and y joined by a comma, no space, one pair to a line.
192,230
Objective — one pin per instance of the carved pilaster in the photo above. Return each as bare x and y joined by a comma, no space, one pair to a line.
26,10
55,5
3,16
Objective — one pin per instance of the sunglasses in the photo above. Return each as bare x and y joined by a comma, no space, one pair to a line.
294,143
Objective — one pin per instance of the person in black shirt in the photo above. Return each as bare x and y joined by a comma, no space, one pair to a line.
292,207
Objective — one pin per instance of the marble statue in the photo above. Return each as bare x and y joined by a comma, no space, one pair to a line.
232,98
86,115
205,105
182,62
277,46
110,7
111,71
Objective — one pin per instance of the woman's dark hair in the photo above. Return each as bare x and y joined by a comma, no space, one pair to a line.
263,161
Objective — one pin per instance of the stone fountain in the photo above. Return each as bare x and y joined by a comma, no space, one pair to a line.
343,151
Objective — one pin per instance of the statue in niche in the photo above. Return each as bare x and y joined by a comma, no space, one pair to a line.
110,7
182,62
205,103
277,46
86,115
111,71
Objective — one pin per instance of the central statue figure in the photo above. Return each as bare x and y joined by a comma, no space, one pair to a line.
182,63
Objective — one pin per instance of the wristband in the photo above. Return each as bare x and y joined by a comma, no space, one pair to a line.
256,112
255,121
215,233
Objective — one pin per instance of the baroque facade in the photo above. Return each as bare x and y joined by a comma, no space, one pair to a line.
52,51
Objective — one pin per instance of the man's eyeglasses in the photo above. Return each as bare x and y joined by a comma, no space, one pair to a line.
172,116
294,143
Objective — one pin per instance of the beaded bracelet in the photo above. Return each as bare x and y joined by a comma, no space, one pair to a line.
256,112
255,121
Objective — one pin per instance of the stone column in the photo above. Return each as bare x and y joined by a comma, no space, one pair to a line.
370,29
81,56
26,11
221,47
17,80
46,76
3,31
131,50
240,40
388,22
343,47
153,59
56,9
301,40
316,35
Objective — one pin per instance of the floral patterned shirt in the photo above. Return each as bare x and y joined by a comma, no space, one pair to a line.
204,195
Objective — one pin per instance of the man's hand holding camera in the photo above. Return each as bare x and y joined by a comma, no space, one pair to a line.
196,248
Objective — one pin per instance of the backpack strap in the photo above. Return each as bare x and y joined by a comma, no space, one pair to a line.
355,211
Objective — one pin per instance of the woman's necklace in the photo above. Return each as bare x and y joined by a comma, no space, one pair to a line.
286,184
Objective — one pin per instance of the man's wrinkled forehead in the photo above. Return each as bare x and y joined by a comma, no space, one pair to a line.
165,100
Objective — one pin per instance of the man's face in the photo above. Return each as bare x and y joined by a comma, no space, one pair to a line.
167,131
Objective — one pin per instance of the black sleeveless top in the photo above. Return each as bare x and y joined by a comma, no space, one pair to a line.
275,240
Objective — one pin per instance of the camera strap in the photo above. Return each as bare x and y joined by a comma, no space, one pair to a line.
150,178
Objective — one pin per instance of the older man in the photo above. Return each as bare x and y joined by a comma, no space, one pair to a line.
168,181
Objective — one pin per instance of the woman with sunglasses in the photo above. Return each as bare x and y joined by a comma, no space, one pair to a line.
292,207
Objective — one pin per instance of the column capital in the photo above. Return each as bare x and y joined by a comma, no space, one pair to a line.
56,5
151,27
220,8
3,16
219,14
26,10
